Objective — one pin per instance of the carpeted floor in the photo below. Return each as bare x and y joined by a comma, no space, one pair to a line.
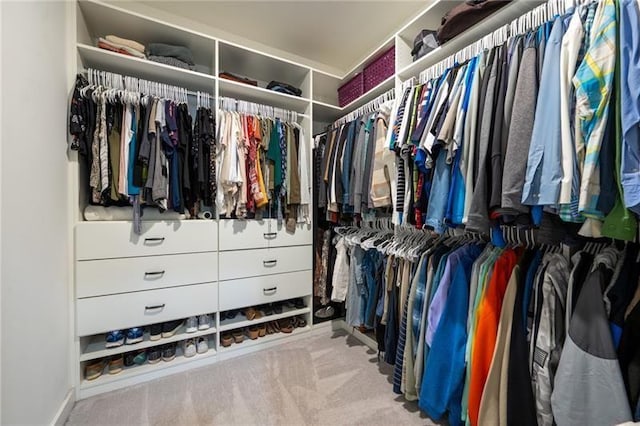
327,379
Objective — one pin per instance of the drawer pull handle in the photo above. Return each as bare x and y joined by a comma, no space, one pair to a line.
157,240
270,234
154,274
272,262
149,308
270,291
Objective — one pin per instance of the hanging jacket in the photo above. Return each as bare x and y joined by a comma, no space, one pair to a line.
588,387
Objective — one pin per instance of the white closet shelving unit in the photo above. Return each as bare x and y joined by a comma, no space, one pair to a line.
182,268
177,269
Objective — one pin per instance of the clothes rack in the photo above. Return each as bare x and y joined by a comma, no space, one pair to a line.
231,104
367,108
146,87
524,23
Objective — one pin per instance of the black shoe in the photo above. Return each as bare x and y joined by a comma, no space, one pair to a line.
128,358
170,328
232,314
267,309
277,308
154,354
298,303
223,316
155,331
169,352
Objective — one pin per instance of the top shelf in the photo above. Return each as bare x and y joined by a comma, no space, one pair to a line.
104,60
96,19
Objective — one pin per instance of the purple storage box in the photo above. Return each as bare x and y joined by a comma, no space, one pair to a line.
351,90
380,69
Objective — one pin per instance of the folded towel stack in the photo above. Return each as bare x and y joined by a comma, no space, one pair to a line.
177,56
122,45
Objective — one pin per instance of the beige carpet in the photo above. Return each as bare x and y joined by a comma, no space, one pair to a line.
327,379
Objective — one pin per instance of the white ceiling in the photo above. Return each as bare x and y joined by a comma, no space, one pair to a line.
335,33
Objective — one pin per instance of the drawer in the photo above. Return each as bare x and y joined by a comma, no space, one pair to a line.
243,234
101,314
252,263
268,288
111,276
106,240
280,236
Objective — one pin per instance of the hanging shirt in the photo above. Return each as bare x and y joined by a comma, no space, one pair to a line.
570,50
630,102
544,168
485,337
594,84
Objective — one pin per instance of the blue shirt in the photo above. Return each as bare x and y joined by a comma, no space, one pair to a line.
544,167
443,381
630,102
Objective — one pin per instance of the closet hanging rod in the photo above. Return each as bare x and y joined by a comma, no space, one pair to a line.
367,108
231,104
531,19
147,87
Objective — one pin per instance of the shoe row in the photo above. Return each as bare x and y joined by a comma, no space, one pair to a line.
115,364
258,312
131,336
284,325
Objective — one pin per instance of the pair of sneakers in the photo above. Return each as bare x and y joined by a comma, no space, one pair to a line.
166,353
117,338
164,329
201,322
190,347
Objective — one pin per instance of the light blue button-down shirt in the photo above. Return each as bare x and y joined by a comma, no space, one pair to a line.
630,102
544,167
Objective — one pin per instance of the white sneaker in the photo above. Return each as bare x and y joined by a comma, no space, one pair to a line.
203,345
192,325
189,348
204,322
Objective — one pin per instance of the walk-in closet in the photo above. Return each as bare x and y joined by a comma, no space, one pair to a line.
320,212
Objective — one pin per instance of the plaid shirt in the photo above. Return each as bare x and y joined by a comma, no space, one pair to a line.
571,212
594,83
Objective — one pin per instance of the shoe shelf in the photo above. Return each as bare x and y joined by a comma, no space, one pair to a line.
240,321
96,347
247,342
137,370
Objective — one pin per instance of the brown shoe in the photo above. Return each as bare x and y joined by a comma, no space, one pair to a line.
238,336
262,330
286,325
250,313
94,369
226,340
253,332
116,364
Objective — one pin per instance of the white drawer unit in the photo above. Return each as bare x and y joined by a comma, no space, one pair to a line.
105,240
264,289
112,276
101,314
252,263
244,234
253,234
280,236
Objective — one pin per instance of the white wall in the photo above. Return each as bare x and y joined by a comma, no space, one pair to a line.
35,300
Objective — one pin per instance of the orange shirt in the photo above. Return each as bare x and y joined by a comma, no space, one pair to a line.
488,317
